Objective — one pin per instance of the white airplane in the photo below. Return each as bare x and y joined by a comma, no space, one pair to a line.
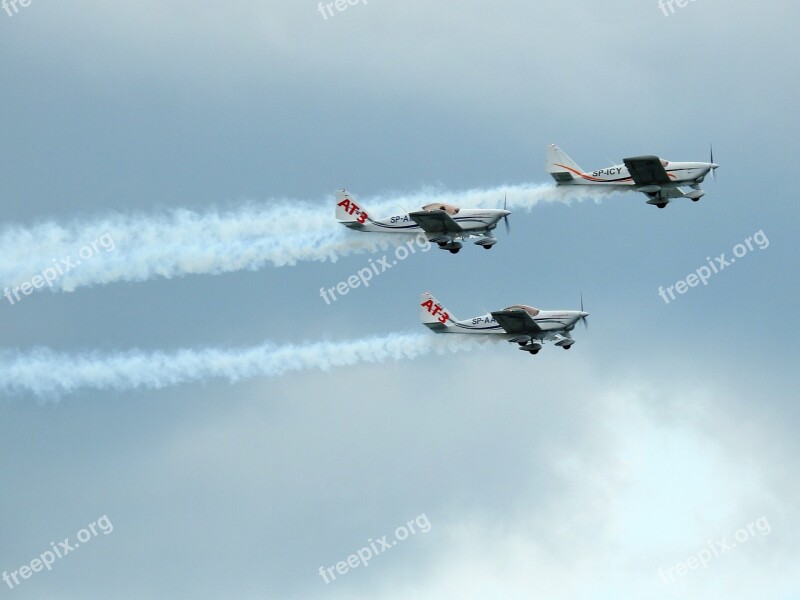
525,325
443,224
660,180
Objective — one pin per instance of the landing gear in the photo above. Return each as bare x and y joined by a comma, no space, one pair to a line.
487,242
695,194
532,348
453,246
567,347
487,247
656,199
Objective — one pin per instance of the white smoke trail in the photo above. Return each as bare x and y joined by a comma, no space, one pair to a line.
49,374
182,242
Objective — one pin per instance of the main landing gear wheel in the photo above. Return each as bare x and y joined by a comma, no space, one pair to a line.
487,247
661,205
695,199
567,347
454,250
534,352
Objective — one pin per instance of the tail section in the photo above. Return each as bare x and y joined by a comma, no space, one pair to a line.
562,168
348,212
433,314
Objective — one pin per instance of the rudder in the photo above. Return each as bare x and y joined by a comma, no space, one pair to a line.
433,314
560,166
348,211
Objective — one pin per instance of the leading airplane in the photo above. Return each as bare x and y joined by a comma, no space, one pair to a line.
527,326
660,180
443,224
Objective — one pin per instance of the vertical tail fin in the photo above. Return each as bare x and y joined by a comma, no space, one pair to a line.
348,212
562,168
433,314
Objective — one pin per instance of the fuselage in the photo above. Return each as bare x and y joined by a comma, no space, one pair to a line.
679,173
469,219
550,322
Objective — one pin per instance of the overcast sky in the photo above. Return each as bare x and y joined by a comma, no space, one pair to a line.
663,434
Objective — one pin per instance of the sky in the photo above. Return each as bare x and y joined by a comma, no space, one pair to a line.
192,418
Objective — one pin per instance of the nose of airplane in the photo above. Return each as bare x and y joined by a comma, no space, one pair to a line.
714,166
584,314
505,212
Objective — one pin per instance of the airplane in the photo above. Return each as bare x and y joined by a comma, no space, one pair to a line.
527,326
443,224
660,180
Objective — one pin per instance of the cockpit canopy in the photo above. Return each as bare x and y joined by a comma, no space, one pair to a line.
448,208
528,309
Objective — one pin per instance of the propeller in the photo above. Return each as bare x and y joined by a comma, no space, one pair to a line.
584,315
505,217
714,168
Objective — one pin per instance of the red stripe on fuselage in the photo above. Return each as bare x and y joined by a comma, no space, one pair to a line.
597,179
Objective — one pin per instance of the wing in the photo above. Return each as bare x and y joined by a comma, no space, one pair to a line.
647,170
435,221
516,321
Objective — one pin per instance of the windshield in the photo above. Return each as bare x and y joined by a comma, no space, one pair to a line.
528,309
448,208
